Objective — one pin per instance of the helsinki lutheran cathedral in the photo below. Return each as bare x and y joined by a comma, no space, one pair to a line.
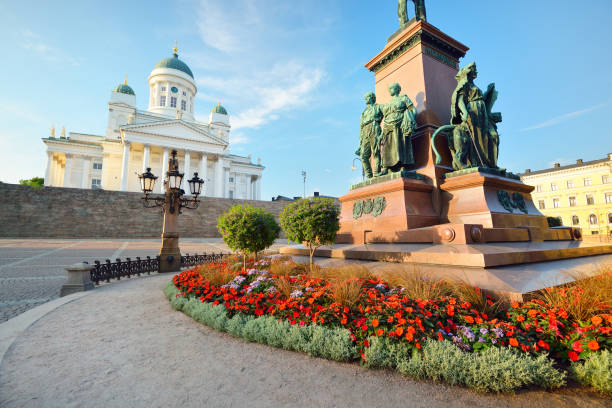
137,139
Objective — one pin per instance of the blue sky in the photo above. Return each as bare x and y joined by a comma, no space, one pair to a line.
291,75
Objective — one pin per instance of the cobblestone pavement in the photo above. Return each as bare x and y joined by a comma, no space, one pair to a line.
32,271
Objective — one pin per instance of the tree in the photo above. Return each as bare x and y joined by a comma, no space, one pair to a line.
247,229
313,221
33,182
554,222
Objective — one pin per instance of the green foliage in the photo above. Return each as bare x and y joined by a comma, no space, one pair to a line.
36,182
311,220
317,341
386,353
596,371
248,229
554,221
494,369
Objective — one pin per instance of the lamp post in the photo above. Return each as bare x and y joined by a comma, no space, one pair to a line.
171,203
353,168
304,176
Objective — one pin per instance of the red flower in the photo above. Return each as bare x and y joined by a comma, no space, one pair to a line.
440,337
577,346
572,356
513,342
374,323
520,318
593,345
468,319
379,332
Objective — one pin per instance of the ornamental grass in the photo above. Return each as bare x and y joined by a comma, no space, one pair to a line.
406,317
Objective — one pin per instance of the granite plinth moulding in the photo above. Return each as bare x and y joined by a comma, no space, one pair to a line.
391,176
486,170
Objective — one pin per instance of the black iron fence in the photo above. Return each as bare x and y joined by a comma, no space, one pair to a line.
125,269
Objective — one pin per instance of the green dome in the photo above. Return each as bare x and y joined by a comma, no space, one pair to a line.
175,63
124,89
219,109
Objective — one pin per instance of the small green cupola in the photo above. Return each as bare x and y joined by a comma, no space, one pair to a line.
219,109
124,88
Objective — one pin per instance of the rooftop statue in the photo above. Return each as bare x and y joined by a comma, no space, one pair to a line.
398,125
474,141
370,134
419,11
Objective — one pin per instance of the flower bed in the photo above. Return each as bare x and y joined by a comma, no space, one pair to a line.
387,329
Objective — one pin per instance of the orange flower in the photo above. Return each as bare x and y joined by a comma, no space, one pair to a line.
593,345
409,336
379,332
311,300
520,318
596,320
374,322
514,304
468,319
399,331
532,312
513,342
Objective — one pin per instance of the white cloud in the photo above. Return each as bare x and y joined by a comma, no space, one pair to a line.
238,138
249,59
33,43
563,118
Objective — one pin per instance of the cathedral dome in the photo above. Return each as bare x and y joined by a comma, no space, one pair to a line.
175,63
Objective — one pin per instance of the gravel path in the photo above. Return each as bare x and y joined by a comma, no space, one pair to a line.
123,346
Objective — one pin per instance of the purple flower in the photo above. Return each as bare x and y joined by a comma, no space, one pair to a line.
481,340
493,341
483,331
499,332
296,293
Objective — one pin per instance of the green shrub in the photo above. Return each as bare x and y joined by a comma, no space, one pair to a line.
36,182
313,221
596,371
386,353
494,369
247,229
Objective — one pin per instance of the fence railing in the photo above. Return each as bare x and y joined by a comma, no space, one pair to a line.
125,269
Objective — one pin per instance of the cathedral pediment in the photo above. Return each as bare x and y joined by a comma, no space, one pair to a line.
178,130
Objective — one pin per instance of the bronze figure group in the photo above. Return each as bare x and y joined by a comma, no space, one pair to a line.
388,145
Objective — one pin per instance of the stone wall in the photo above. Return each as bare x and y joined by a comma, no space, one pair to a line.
54,212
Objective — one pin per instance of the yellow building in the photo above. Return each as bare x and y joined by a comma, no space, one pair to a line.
579,194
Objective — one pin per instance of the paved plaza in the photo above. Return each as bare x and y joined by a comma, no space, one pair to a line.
32,271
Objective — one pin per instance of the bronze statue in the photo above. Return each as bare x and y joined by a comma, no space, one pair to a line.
398,125
474,141
369,137
419,11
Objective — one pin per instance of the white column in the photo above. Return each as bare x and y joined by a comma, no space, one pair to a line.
203,173
48,169
185,184
124,166
249,193
68,171
226,183
145,157
56,169
86,168
219,178
258,188
162,177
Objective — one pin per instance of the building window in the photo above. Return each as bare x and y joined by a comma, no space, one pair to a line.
231,179
593,219
553,186
572,201
588,181
162,100
575,220
610,218
605,179
163,89
541,205
556,203
183,105
538,188
172,102
589,199
96,184
570,184
608,198
184,93
231,192
97,166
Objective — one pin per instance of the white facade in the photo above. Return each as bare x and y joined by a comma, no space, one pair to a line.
137,139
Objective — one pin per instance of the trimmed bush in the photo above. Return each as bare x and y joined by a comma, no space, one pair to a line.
248,229
596,371
495,369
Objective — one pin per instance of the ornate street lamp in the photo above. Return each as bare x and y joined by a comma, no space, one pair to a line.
172,204
353,168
